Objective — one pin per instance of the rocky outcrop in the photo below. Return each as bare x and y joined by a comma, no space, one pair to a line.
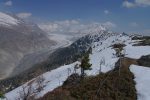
144,61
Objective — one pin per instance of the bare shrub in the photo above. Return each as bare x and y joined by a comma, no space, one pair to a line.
27,93
40,83
30,90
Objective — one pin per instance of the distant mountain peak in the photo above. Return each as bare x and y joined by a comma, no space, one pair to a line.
93,28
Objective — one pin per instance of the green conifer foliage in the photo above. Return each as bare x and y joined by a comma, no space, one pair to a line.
85,65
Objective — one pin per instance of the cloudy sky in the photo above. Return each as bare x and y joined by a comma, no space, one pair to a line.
118,15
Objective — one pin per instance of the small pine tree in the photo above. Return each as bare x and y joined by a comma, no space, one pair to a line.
85,65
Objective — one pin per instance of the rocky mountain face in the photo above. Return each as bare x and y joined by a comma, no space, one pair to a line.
18,38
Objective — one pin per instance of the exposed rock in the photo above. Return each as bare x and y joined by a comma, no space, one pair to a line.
74,79
144,61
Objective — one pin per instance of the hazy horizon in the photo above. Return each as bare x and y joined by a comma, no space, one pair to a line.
130,16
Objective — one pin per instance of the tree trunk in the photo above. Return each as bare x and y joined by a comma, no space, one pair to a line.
82,73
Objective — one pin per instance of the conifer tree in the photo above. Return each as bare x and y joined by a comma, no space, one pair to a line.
85,65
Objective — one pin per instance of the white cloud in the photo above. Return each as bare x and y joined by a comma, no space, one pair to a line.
106,11
8,3
59,26
109,24
24,15
74,26
49,27
136,3
146,32
143,2
128,4
134,24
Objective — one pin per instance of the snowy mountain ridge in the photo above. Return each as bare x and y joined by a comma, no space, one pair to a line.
8,20
101,42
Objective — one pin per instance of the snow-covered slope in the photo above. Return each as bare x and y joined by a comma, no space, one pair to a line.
7,20
142,81
101,42
52,80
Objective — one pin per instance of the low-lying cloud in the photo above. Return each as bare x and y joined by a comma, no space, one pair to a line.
134,24
136,3
8,3
74,26
24,15
106,12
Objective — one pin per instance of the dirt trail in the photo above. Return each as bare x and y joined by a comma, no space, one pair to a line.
126,62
